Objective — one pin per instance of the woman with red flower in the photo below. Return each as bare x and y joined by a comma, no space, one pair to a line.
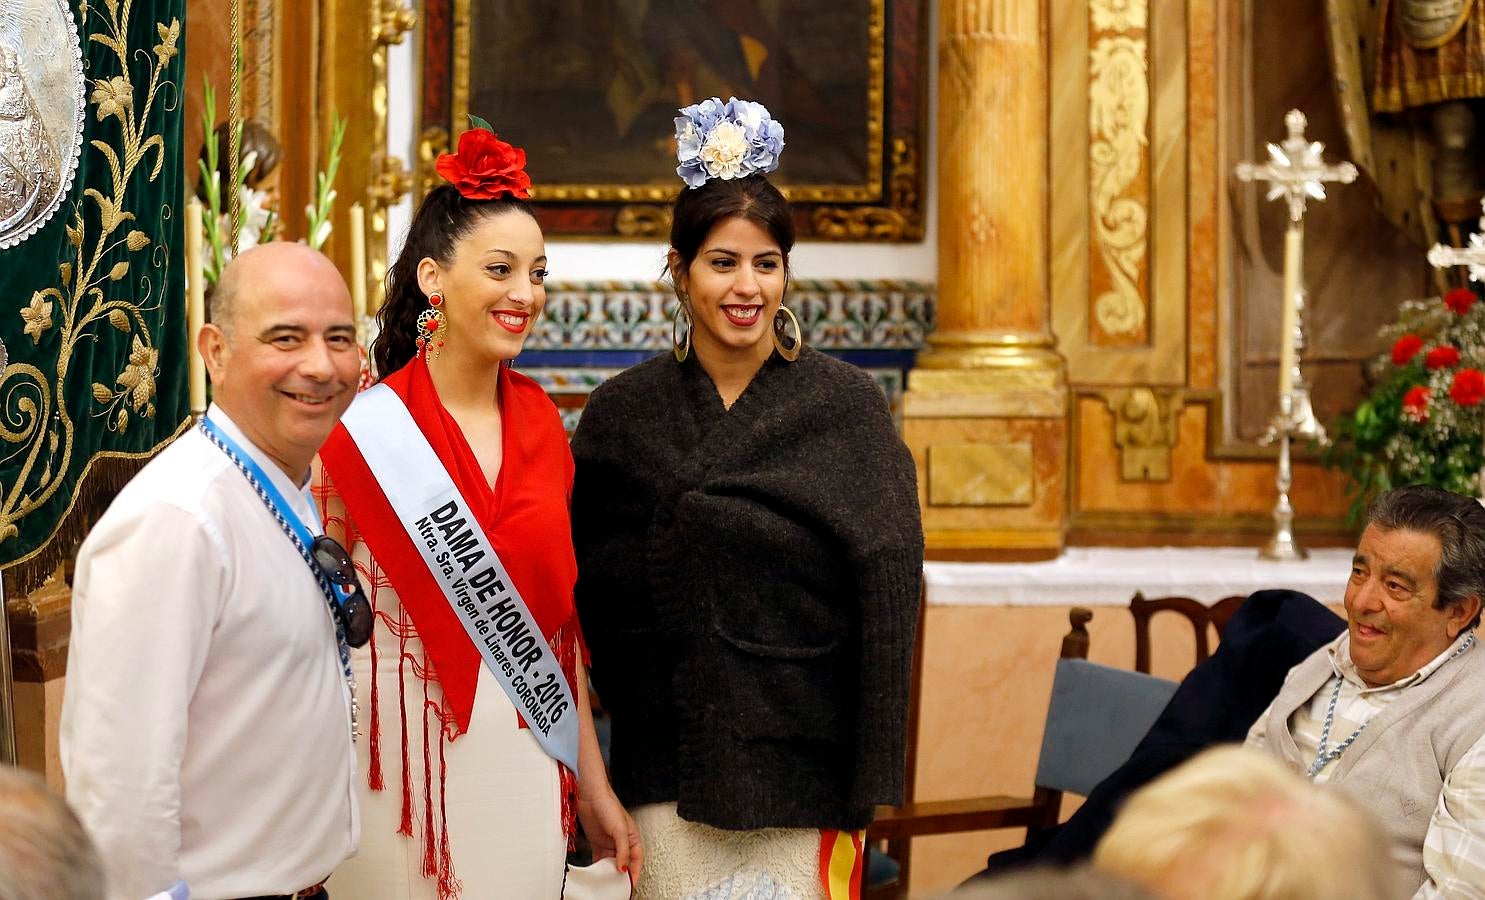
449,479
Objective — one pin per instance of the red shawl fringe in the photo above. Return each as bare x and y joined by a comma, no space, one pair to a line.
438,861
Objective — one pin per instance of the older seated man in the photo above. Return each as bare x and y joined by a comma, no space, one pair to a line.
1389,711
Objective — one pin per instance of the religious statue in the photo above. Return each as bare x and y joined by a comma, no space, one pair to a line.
30,169
1410,78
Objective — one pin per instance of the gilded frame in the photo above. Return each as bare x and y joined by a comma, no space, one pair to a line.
887,206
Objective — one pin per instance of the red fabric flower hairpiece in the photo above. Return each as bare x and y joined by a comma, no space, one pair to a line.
485,167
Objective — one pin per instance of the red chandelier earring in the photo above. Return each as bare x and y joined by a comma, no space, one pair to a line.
433,326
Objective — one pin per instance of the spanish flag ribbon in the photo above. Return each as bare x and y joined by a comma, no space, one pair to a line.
842,857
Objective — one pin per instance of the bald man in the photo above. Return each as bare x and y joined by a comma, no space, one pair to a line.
207,722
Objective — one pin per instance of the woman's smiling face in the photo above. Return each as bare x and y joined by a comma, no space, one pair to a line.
493,286
734,285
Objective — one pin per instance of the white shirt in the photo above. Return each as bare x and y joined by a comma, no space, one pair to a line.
206,723
1454,845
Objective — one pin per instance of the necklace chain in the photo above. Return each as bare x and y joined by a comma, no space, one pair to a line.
1325,755
324,583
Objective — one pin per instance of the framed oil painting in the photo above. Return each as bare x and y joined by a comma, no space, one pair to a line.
590,88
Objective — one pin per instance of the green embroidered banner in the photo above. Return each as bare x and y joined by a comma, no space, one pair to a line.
92,291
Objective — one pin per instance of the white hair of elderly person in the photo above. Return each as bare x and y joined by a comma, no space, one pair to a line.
1047,883
1236,824
44,852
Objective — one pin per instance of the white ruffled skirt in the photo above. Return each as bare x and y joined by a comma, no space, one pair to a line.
689,861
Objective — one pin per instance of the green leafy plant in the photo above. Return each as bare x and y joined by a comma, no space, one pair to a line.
318,212
1424,420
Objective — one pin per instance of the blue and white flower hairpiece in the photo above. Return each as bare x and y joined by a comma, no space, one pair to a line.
726,140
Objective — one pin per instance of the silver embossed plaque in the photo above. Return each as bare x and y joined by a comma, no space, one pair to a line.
1432,23
42,103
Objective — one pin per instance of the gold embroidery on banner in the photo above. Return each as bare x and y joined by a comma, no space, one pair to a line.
35,418
1118,150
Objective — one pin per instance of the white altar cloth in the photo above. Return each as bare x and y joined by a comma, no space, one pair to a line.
1109,576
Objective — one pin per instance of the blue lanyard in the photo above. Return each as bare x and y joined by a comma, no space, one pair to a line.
287,519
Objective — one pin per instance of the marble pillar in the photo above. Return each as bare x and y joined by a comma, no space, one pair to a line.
986,408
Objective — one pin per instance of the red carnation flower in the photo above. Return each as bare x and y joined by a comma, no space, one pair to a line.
1406,348
1468,388
1460,300
1415,403
1441,357
486,168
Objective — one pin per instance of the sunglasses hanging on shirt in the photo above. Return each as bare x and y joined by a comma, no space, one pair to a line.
353,610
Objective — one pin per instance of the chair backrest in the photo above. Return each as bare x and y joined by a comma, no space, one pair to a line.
1200,615
1095,718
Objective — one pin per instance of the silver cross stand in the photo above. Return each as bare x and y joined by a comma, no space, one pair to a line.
1442,256
1296,172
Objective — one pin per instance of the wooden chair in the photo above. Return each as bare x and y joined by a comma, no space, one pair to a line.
1095,717
1197,613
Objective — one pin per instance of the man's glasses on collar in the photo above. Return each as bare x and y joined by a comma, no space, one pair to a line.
354,611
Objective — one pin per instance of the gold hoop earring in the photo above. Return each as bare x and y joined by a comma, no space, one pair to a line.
433,326
681,350
787,345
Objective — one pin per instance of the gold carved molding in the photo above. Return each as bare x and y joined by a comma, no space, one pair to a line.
1118,125
900,220
1119,95
433,142
639,221
1145,430
355,37
390,181
394,24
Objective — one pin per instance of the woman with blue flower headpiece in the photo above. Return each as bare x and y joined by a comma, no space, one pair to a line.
749,554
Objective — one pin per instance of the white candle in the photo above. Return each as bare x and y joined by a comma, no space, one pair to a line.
358,263
195,305
1293,260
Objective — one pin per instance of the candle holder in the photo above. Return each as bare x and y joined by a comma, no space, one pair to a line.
1295,419
1296,173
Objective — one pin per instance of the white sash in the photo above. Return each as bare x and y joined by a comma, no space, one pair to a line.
440,523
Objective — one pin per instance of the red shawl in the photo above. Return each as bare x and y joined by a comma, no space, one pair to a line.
525,515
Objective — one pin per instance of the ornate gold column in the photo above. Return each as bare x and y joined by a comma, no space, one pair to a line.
986,407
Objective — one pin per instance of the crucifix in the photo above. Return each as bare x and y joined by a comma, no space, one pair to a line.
1297,173
1442,256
